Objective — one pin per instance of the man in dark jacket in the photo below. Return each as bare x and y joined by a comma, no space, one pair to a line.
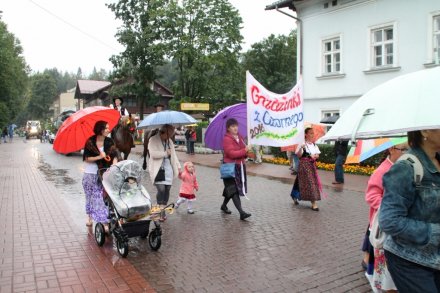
341,148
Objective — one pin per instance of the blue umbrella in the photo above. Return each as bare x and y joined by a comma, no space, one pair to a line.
217,128
175,118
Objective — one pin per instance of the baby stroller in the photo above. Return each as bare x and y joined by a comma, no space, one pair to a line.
130,210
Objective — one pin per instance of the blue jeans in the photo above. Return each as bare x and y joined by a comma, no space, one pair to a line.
339,169
191,147
411,277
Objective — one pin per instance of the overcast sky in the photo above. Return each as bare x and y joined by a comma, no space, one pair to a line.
44,28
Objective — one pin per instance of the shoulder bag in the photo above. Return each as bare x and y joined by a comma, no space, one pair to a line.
377,236
227,170
161,174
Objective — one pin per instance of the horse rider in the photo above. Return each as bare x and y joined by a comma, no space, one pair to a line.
125,116
117,105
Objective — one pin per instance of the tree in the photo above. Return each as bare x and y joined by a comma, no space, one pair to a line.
13,76
145,28
167,73
43,92
98,75
206,46
273,62
79,74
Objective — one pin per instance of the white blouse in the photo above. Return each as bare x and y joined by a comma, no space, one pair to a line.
311,148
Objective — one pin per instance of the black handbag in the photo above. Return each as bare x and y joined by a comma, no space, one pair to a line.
161,174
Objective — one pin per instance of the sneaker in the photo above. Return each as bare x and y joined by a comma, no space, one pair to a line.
176,206
190,212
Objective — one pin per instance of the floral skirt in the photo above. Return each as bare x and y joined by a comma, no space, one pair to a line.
95,206
308,182
381,276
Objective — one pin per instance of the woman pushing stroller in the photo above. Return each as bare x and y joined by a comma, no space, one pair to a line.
99,153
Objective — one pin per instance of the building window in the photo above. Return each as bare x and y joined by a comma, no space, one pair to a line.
436,39
329,116
382,46
332,56
330,113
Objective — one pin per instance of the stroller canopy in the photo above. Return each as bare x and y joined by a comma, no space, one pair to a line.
129,197
117,174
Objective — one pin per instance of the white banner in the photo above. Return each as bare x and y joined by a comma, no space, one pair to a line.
274,119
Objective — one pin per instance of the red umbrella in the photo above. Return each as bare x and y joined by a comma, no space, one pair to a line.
76,129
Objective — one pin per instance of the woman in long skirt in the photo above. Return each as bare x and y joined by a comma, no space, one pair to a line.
307,184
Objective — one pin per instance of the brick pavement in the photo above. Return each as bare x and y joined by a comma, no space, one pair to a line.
40,249
282,248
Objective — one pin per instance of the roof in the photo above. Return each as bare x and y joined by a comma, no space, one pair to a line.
162,89
281,4
92,86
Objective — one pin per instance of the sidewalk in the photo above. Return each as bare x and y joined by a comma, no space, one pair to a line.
40,249
280,172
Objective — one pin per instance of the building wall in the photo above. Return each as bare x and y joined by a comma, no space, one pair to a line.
353,20
64,102
67,101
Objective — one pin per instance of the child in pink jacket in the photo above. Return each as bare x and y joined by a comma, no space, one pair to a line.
189,184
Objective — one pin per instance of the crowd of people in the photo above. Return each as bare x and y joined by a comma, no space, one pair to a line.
407,206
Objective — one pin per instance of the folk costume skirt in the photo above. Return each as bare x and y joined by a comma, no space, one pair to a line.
308,180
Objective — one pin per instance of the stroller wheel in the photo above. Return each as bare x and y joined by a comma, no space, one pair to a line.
155,239
122,247
99,234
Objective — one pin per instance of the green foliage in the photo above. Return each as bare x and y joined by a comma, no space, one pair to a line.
98,75
206,44
199,128
64,81
273,62
327,153
13,76
43,92
167,73
174,104
144,33
277,153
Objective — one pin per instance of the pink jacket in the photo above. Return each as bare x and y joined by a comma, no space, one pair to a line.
189,181
234,152
374,192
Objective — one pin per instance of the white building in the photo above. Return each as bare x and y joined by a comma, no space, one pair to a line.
350,46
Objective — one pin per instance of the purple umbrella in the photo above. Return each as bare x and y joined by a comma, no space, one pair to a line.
217,128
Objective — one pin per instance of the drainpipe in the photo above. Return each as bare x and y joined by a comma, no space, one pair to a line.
299,30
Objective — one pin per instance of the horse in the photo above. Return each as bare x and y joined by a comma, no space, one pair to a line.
122,137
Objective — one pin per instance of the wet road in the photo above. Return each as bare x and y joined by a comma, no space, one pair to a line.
282,248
